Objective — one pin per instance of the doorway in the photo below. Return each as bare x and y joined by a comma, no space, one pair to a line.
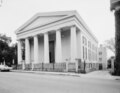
52,51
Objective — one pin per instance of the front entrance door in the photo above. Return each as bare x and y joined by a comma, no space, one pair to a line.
52,51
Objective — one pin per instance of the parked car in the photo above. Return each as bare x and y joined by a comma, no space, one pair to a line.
5,68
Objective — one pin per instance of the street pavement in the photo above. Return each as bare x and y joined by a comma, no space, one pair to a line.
11,82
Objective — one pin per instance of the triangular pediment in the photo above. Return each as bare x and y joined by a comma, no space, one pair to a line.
41,19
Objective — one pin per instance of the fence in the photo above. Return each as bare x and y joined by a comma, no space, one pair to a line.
78,66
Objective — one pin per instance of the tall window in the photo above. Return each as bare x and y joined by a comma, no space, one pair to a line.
90,45
90,55
86,53
83,39
83,52
100,53
100,59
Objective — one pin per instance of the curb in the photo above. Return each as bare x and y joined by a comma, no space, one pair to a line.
47,73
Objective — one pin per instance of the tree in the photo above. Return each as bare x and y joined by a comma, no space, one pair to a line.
3,50
13,51
110,44
7,53
5,38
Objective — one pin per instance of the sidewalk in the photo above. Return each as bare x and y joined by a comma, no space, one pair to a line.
95,74
101,74
48,73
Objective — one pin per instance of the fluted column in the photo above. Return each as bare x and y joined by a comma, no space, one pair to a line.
46,48
73,43
58,46
19,52
36,58
27,51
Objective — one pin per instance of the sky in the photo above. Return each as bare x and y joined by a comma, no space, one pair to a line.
96,14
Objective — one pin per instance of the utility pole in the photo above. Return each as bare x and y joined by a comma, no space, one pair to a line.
115,5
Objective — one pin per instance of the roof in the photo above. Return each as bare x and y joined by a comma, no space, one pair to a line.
40,19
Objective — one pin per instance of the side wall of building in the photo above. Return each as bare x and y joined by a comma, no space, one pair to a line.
89,51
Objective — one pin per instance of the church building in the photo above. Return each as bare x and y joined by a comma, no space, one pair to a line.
56,41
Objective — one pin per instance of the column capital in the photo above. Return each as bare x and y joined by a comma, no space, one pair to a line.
73,26
27,38
59,29
35,36
19,40
114,5
45,33
117,8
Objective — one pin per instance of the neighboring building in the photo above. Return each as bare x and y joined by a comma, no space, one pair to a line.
102,57
56,41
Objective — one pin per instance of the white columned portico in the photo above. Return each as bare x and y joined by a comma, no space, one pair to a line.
58,46
46,48
73,43
19,52
27,51
36,59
